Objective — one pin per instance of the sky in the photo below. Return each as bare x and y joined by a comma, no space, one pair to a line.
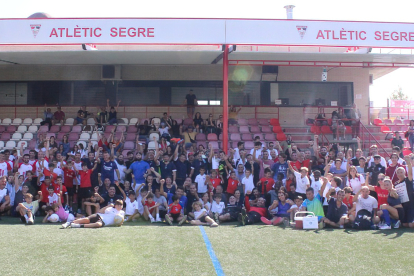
361,10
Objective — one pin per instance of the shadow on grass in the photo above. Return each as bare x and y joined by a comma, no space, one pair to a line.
397,232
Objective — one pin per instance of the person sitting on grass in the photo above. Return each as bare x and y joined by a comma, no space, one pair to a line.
231,211
283,205
150,208
252,214
368,205
105,217
57,209
295,207
131,209
313,203
217,207
175,212
337,210
393,211
93,203
29,208
201,216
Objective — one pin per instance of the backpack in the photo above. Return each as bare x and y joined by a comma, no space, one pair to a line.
363,220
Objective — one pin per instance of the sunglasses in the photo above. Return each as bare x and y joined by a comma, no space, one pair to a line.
380,179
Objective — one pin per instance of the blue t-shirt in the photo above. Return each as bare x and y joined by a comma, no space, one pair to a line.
139,168
183,200
315,205
108,169
334,170
280,168
283,208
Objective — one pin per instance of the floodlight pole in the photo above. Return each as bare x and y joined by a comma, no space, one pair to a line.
225,98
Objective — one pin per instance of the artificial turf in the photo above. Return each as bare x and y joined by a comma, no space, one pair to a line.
144,249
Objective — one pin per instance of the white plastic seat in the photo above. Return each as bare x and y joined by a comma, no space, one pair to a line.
152,135
24,146
6,122
94,136
37,121
90,122
32,129
83,143
27,136
22,129
133,121
69,121
17,121
125,123
84,136
10,144
16,136
1,144
27,121
151,145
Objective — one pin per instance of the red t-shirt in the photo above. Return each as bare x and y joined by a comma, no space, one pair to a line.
175,208
232,185
64,191
52,175
288,182
56,189
69,175
215,182
269,186
149,205
348,202
391,173
382,195
85,178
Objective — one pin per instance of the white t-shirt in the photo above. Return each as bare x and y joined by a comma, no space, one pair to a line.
110,213
201,183
23,168
140,206
366,203
53,198
316,185
301,183
215,163
217,208
356,183
45,166
236,154
198,213
258,152
130,207
248,183
163,130
121,172
3,193
4,168
400,161
327,188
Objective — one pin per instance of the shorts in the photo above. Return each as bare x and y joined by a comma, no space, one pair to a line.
175,216
203,219
70,191
408,213
95,218
84,192
233,215
162,213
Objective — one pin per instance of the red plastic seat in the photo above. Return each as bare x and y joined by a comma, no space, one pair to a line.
388,122
211,137
315,129
264,122
277,129
233,129
132,129
130,137
202,136
244,129
378,122
54,129
65,129
326,129
108,129
281,137
242,122
270,137
121,129
42,129
348,130
252,121
247,137
385,129
73,136
77,129
128,145
254,129
266,129
235,137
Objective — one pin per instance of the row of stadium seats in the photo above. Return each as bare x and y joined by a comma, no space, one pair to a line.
389,122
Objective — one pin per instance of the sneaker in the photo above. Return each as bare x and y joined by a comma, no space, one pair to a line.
385,227
341,227
152,220
277,221
244,215
214,224
158,220
397,224
65,225
168,220
75,225
182,220
266,221
240,219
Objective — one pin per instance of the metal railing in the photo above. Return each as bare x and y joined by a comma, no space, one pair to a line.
367,139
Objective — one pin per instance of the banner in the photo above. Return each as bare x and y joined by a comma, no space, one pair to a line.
206,31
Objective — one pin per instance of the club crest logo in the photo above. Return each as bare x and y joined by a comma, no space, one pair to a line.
35,29
302,30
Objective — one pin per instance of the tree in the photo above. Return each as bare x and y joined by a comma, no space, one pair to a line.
398,94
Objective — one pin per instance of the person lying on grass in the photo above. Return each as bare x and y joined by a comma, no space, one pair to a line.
201,217
252,214
107,216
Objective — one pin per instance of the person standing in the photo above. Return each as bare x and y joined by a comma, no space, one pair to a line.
410,133
356,118
191,102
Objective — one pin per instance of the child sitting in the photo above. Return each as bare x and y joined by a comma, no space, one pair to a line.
52,197
295,207
29,208
200,216
131,209
57,209
150,208
217,207
175,212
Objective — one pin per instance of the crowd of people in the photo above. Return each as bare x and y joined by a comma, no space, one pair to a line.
181,181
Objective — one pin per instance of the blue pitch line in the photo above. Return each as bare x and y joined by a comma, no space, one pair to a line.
213,257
